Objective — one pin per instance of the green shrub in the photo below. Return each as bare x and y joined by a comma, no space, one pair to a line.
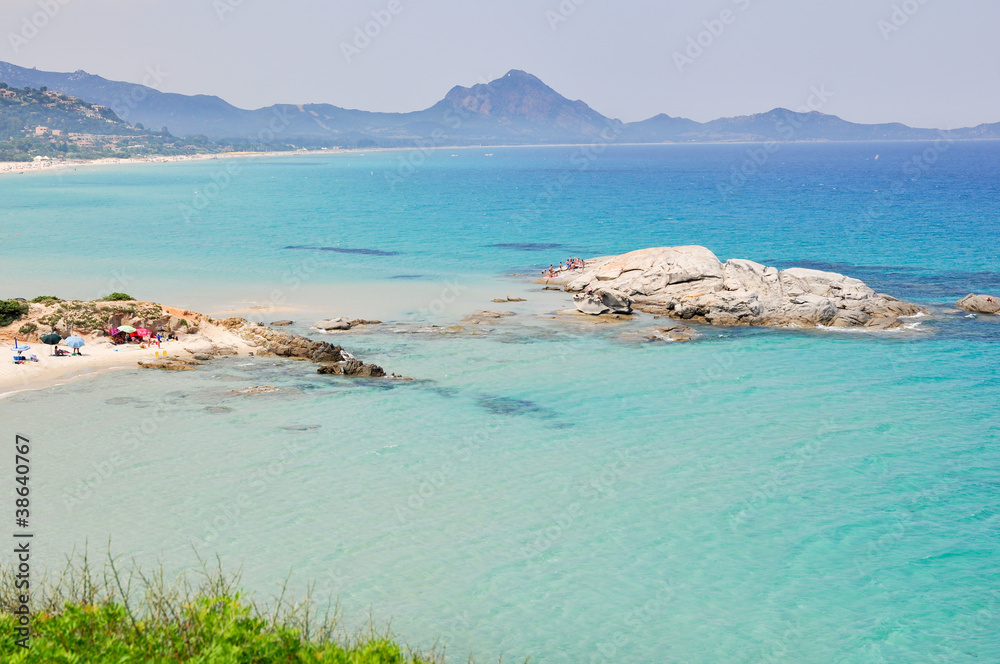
46,299
128,616
11,310
117,297
27,328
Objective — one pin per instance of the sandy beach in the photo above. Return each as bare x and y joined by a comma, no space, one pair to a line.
99,355
14,167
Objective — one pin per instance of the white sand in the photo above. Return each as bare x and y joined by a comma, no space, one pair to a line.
99,356
49,165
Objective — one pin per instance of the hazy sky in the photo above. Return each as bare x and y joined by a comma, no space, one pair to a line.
930,63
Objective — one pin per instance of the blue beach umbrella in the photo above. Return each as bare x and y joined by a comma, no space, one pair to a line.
75,342
19,348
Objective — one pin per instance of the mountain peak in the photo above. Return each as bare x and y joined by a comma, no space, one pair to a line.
522,98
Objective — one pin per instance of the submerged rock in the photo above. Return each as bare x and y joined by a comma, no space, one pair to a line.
980,304
486,316
170,364
282,323
663,333
256,389
691,283
509,299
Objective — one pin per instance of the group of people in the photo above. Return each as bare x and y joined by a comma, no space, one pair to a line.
144,342
570,265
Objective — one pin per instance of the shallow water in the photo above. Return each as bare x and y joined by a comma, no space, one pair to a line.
546,489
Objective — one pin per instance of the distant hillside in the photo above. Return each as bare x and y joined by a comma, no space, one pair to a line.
517,108
45,123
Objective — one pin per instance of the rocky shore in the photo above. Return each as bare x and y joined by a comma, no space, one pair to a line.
200,339
691,283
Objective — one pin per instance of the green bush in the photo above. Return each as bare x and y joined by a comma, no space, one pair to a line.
27,328
46,299
92,616
11,310
117,297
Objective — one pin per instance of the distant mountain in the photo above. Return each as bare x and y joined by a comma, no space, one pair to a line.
517,108
37,123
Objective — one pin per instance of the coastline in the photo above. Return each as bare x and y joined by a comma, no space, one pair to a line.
100,357
18,167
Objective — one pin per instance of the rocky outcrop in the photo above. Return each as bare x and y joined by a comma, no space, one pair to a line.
691,283
284,344
603,301
980,304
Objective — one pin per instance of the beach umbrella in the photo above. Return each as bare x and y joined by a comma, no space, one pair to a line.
19,348
75,342
113,331
143,332
126,328
51,339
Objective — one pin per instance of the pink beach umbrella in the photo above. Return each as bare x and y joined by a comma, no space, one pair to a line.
143,332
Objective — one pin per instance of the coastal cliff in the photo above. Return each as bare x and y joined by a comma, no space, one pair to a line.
691,283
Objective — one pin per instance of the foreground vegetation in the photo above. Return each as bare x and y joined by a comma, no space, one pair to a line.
121,616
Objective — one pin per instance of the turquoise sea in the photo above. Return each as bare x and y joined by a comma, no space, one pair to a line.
544,490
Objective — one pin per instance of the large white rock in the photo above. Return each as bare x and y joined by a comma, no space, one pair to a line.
691,283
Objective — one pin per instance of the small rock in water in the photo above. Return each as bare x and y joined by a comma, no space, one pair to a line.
980,304
667,333
333,324
509,299
354,368
282,323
